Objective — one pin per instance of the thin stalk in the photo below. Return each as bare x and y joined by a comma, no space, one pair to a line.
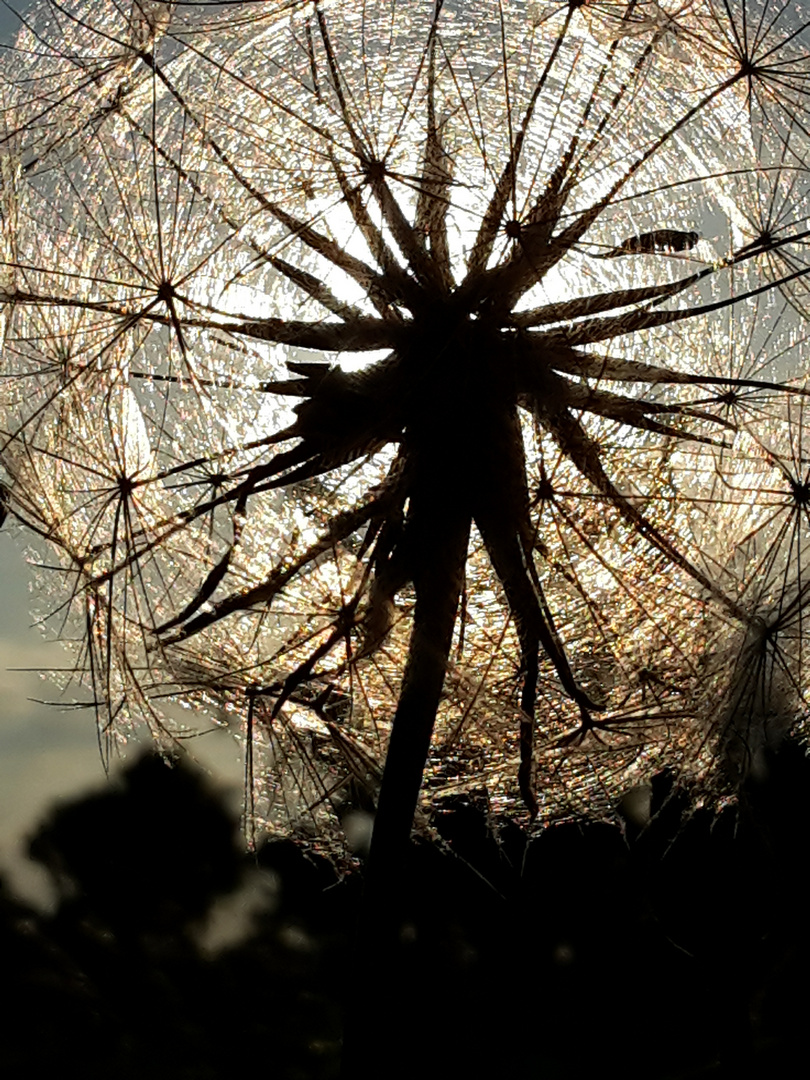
374,1015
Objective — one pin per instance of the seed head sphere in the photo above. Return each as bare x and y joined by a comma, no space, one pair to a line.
416,367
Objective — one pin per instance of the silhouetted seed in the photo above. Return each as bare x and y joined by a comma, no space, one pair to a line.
658,242
762,242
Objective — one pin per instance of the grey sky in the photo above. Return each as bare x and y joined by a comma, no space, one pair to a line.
47,754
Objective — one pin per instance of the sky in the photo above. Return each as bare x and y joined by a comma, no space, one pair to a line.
49,755
44,755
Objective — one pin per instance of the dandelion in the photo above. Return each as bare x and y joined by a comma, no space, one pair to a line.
418,389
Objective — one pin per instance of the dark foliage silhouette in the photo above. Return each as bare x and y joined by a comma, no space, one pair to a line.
667,942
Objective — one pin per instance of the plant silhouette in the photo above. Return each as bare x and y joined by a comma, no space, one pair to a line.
416,388
118,978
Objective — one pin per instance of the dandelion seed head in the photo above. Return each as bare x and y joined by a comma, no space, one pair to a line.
274,278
